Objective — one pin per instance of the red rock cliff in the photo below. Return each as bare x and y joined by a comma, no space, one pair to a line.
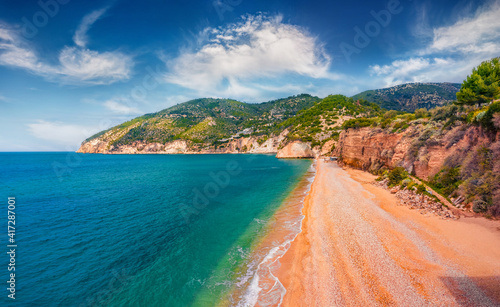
421,151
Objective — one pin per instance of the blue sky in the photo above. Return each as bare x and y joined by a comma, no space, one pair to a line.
70,68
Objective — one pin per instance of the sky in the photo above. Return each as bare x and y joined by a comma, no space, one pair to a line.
71,68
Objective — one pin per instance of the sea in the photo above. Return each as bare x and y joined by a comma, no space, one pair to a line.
147,230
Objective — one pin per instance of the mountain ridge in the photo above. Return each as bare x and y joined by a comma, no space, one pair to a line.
411,96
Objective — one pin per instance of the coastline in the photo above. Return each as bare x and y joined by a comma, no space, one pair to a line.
358,247
259,285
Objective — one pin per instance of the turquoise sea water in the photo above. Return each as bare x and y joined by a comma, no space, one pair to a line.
137,230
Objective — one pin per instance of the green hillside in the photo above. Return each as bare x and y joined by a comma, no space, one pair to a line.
205,120
411,96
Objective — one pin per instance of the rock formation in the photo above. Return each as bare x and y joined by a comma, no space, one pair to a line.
421,154
296,149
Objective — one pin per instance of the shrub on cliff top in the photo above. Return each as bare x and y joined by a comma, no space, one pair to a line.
421,113
495,210
390,114
396,175
406,182
496,121
486,120
357,123
444,113
386,123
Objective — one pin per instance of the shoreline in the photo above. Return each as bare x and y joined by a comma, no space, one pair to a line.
259,286
359,247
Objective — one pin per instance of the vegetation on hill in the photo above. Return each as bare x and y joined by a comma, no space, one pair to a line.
322,121
411,96
205,121
209,121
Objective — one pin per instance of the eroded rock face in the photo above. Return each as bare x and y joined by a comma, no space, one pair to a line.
296,149
328,147
94,146
371,149
241,145
237,145
178,146
367,148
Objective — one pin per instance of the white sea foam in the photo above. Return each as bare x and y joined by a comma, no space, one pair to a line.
259,221
252,294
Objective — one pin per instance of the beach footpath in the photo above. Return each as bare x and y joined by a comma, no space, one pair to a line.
358,247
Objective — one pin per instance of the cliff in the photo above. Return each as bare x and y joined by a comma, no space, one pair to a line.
272,145
420,150
459,160
296,150
240,145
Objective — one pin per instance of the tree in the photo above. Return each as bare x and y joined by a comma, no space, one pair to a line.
483,85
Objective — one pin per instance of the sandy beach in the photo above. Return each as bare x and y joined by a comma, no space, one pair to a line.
359,248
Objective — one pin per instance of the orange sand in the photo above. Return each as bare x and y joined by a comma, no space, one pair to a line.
359,248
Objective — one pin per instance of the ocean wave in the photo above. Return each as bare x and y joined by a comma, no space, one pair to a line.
258,221
275,291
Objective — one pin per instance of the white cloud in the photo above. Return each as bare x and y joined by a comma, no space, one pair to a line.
401,68
80,38
259,50
76,65
15,52
120,107
422,28
5,34
473,34
421,69
94,67
451,53
60,134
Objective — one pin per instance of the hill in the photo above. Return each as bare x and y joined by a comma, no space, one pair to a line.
411,96
209,124
200,123
225,125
